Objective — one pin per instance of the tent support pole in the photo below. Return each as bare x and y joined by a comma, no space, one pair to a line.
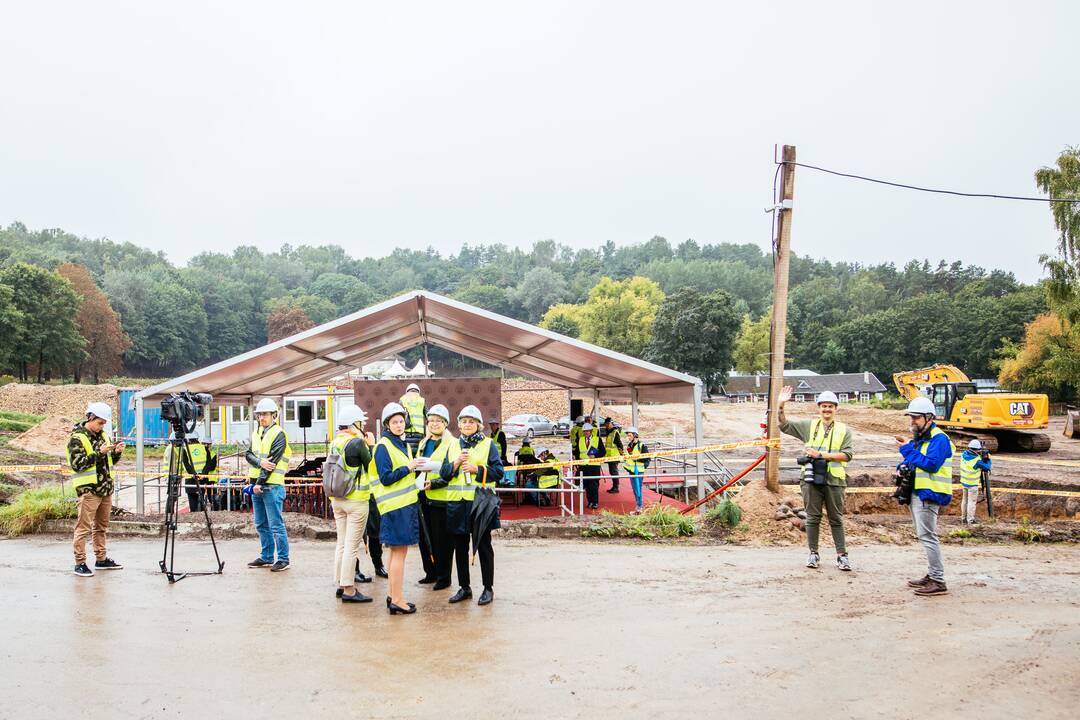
633,406
140,481
699,440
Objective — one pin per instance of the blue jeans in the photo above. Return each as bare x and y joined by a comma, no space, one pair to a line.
269,522
635,482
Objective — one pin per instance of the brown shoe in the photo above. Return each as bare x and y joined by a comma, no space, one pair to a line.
932,587
918,583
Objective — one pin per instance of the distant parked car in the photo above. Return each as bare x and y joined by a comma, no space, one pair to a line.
562,427
527,426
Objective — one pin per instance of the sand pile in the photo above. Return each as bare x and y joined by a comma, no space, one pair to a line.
67,400
533,397
759,514
48,437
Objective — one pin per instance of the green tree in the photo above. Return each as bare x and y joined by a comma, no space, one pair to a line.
347,293
1063,182
10,326
488,297
751,353
695,333
619,315
538,290
1047,361
564,318
47,337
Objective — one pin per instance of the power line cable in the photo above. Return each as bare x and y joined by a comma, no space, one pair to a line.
931,190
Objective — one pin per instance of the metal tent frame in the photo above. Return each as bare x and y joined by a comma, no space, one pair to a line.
421,318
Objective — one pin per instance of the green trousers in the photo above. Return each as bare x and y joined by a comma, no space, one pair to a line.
831,497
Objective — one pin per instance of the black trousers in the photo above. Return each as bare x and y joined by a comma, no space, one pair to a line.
484,551
194,500
371,532
613,471
442,542
590,480
426,554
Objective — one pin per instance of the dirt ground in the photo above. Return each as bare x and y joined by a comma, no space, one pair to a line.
577,630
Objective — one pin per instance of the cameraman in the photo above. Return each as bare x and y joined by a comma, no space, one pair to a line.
829,441
972,463
91,455
269,460
930,452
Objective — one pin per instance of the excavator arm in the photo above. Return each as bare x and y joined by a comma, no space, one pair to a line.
908,382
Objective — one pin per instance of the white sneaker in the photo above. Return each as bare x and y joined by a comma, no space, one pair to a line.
842,563
813,560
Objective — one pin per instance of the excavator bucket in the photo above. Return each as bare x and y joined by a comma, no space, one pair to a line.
1072,424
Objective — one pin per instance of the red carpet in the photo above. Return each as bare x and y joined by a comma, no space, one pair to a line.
620,502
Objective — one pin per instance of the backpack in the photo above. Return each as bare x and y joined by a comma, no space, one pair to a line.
337,480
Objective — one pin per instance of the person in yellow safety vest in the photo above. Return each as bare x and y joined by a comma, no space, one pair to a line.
478,465
589,445
352,445
972,463
499,438
91,455
415,415
549,477
268,457
636,467
197,470
930,453
525,456
613,446
442,448
829,440
575,430
397,494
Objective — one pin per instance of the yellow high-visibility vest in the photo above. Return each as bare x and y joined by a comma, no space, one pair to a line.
261,443
88,476
449,448
402,493
970,476
362,489
941,481
827,442
414,406
463,485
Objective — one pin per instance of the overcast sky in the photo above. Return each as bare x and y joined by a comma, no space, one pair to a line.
201,126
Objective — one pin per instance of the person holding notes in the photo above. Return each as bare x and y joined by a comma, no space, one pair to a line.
441,449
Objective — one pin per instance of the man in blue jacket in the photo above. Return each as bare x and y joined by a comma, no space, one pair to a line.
929,453
973,462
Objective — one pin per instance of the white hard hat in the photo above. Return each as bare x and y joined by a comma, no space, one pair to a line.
440,411
393,409
266,405
828,396
101,410
412,386
632,429
579,419
471,411
975,445
541,450
350,415
920,406
587,426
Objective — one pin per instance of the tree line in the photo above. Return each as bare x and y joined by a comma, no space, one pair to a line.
90,308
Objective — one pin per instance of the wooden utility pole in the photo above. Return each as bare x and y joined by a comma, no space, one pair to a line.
779,314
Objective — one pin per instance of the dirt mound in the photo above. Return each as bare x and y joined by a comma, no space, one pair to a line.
533,397
48,437
67,400
759,505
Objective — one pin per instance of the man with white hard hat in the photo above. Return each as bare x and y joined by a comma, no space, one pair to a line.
415,415
828,450
91,455
589,446
929,453
973,462
268,457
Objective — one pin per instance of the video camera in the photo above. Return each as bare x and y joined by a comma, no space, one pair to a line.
905,484
819,468
183,411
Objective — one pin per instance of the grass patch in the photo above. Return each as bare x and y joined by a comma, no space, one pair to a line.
1027,534
17,421
959,534
726,512
656,521
30,508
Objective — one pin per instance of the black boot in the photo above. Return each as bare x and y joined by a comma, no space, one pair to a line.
462,594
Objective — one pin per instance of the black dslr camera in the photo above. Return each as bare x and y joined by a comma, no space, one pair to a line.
183,411
819,467
905,484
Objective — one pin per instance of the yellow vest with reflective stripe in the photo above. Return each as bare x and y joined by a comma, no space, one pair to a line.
970,476
575,433
88,476
941,481
594,444
449,448
414,407
634,466
829,442
402,493
362,489
463,485
261,443
549,476
609,444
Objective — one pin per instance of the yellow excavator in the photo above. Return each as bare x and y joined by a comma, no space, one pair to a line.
997,419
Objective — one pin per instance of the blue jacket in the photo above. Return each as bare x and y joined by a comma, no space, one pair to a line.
387,474
938,452
982,464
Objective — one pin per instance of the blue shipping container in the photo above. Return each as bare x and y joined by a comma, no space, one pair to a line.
155,430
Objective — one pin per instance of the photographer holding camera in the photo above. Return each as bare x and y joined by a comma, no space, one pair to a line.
973,462
828,451
269,460
926,473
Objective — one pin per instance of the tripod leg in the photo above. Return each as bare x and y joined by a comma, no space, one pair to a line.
213,543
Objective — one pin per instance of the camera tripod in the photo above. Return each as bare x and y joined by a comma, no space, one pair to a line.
179,458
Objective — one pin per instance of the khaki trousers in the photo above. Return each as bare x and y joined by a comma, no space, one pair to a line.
94,512
350,516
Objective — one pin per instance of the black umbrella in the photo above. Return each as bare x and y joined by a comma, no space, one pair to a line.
485,515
